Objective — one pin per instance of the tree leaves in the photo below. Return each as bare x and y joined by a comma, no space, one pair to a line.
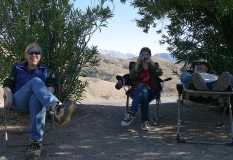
198,28
63,33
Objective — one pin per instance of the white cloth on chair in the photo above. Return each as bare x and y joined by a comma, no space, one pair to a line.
207,77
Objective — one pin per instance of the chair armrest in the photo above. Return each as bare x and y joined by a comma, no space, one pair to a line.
8,97
51,89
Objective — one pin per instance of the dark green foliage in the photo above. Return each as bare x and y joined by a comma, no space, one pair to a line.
63,33
198,28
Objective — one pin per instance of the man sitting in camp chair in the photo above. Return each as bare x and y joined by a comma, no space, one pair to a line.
202,77
202,85
144,77
26,89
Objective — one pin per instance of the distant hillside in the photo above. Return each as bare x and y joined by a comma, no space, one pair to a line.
102,78
109,67
116,54
165,56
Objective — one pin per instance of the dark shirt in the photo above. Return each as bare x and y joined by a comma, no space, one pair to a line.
20,75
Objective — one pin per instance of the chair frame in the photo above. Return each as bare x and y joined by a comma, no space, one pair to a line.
157,104
183,94
5,113
7,110
157,101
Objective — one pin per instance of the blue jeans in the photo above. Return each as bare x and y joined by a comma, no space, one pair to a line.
186,79
142,96
35,98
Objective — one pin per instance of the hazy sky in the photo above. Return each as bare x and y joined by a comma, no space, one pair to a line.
122,34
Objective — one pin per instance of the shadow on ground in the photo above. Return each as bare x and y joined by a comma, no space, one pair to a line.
95,134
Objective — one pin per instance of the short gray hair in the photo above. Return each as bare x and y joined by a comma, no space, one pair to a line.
33,47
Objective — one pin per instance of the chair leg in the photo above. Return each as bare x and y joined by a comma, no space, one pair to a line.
156,114
127,104
53,119
5,115
225,106
179,106
230,117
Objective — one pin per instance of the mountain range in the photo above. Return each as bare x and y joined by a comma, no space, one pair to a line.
121,55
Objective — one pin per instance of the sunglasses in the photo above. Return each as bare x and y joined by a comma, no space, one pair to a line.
36,53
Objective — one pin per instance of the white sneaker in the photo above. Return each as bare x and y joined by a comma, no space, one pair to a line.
129,118
146,126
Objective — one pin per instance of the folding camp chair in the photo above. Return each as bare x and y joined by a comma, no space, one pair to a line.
8,112
157,104
127,83
157,99
184,94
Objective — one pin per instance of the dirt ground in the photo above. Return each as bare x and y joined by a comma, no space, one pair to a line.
95,134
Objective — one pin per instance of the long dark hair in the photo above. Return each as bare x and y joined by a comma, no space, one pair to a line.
144,49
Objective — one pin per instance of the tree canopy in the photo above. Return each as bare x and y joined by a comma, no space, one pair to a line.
63,33
197,28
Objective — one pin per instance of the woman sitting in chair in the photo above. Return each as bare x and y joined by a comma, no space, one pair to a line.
203,78
144,77
26,90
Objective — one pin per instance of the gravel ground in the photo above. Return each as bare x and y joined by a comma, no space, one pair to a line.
95,134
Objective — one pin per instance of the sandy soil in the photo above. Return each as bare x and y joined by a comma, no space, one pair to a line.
100,91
